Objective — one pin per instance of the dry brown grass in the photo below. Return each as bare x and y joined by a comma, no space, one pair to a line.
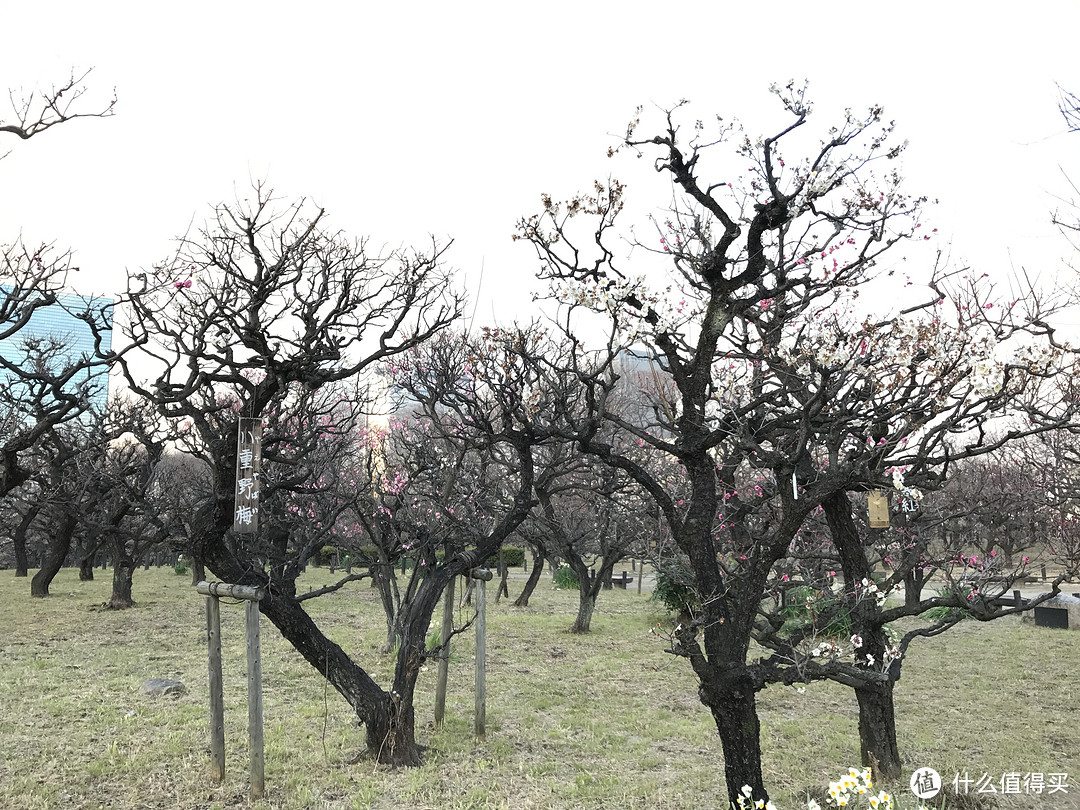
606,720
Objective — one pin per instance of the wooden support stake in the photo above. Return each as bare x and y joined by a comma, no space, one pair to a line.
481,659
444,658
482,576
255,707
231,591
217,695
251,597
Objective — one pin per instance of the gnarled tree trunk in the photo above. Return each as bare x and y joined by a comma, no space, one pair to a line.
733,703
55,555
123,574
22,565
877,714
389,733
504,574
877,729
914,579
533,581
586,606
588,590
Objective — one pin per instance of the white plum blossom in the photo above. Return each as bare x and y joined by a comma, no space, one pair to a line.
987,377
1037,359
825,648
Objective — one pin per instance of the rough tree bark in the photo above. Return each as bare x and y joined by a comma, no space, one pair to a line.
22,565
588,589
733,704
913,585
877,729
198,571
877,715
384,577
123,574
533,580
504,574
55,554
86,567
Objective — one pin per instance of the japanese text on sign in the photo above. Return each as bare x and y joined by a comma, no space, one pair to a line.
248,460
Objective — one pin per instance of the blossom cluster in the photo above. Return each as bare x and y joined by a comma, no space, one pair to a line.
857,783
746,804
845,792
867,588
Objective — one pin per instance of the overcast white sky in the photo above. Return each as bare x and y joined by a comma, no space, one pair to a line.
410,119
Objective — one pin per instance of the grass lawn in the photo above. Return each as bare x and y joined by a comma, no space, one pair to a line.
606,720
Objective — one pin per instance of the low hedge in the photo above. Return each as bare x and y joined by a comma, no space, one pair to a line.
513,556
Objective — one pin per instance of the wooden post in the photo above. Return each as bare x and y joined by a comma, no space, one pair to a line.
251,596
255,708
482,576
444,657
217,695
640,575
231,591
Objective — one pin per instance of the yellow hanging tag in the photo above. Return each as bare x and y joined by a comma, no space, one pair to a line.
878,505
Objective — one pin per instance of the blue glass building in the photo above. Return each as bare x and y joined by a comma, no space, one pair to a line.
58,337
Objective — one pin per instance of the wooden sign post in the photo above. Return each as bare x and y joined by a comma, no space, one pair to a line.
251,597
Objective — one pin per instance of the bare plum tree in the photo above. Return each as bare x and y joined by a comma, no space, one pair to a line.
50,385
266,314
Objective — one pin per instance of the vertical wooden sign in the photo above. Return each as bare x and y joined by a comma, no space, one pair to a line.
248,463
